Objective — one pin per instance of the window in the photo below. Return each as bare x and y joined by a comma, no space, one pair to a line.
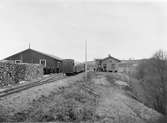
18,61
43,62
58,64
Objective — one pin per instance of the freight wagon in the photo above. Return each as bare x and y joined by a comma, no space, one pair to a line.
69,67
79,68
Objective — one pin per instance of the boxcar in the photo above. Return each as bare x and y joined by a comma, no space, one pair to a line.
68,66
79,68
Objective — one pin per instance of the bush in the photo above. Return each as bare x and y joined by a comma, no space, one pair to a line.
73,104
76,104
152,74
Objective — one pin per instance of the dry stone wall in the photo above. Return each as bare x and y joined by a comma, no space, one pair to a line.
14,73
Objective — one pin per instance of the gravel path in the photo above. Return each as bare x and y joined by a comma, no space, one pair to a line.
116,107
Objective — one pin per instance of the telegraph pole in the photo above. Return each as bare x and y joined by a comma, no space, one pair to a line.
29,46
86,60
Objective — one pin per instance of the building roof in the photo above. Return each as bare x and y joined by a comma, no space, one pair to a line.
52,56
110,57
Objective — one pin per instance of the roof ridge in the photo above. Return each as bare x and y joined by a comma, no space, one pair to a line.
110,57
52,56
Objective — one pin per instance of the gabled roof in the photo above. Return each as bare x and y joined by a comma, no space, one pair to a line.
110,57
52,56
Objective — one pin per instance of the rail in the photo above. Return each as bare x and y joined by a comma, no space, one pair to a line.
20,88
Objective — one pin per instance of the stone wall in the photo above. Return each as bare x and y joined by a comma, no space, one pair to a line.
14,73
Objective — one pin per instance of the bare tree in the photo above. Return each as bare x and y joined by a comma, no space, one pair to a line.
159,62
153,76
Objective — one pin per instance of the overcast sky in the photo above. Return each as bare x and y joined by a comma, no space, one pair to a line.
122,29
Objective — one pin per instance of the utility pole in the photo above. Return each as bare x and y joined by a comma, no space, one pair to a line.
86,60
29,46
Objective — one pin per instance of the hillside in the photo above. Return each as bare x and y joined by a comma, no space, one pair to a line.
103,97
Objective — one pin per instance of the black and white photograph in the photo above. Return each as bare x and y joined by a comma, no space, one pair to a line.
83,61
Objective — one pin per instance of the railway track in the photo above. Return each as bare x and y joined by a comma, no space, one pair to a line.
20,88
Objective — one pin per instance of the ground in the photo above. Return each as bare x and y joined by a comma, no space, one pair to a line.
102,97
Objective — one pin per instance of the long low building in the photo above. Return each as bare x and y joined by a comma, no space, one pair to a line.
52,64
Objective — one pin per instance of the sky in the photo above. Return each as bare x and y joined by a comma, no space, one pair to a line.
123,29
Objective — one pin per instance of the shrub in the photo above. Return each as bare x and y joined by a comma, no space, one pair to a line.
152,74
